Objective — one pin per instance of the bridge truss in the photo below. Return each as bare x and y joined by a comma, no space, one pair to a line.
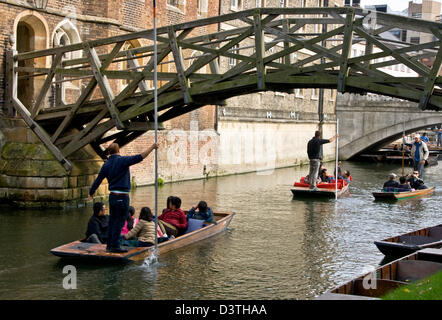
265,49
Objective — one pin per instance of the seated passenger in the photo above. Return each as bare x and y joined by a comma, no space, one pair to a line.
339,170
204,212
173,219
130,221
404,185
391,183
97,226
144,231
324,177
416,182
307,177
346,176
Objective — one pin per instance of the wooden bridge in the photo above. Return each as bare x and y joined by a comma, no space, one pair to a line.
264,49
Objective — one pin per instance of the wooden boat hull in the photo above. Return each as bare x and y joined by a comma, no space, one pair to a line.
408,243
92,251
321,193
400,272
394,196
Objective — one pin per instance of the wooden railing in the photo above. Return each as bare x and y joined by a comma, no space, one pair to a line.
277,49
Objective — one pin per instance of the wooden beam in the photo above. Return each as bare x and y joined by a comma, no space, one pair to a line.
85,95
41,134
346,50
105,87
46,85
133,63
179,65
260,51
417,67
431,79
9,77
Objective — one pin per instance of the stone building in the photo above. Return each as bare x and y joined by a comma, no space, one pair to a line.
29,175
255,132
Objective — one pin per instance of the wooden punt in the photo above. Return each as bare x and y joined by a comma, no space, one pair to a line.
92,251
400,272
408,243
403,195
320,193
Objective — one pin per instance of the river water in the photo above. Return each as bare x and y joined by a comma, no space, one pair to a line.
276,247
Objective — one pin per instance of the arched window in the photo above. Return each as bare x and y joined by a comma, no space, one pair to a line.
31,33
66,33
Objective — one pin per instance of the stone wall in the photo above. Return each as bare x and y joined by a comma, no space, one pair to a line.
31,177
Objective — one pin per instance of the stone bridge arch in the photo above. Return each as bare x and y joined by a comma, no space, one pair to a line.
368,122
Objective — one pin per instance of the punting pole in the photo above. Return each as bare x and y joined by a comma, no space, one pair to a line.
337,153
155,81
403,148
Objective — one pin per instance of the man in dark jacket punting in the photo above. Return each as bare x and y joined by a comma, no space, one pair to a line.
97,227
116,171
315,155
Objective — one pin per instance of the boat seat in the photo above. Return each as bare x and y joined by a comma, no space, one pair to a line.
435,232
383,286
194,224
417,240
413,270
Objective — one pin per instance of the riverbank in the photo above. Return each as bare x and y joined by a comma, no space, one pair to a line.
426,289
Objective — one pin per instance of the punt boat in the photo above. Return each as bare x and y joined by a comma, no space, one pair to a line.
403,195
92,251
325,190
401,272
405,244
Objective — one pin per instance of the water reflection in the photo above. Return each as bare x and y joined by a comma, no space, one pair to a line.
276,247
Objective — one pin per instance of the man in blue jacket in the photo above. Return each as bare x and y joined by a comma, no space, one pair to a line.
116,171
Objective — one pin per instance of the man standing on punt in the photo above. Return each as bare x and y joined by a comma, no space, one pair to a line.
315,155
116,171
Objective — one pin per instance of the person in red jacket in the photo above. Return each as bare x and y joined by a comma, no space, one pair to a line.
173,219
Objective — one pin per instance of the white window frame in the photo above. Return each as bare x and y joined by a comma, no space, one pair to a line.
299,93
235,5
233,61
314,95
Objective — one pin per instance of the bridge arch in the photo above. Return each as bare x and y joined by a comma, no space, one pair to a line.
389,132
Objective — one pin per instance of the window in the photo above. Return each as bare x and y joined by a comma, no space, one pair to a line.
202,7
260,3
235,5
282,3
178,4
315,94
232,61
299,93
174,3
415,40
